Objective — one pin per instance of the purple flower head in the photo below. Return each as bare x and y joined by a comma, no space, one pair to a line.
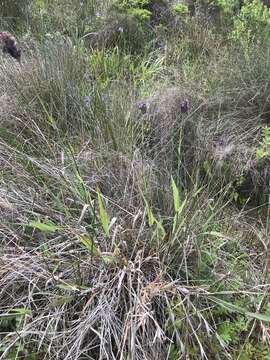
161,45
87,100
184,106
142,107
98,14
120,29
221,142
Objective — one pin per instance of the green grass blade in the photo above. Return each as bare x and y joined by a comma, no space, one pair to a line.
234,308
44,227
89,245
150,215
176,196
104,218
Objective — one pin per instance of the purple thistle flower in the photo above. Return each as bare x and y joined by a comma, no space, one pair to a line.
120,29
160,45
143,108
184,106
87,100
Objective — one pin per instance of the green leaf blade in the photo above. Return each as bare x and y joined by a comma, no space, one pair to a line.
104,219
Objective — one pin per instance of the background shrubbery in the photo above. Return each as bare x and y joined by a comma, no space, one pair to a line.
130,227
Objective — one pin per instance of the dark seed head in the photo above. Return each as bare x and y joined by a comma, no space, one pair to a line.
184,106
120,29
14,52
87,100
143,108
160,45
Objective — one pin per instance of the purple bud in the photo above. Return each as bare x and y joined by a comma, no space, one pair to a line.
221,142
161,45
120,29
87,100
143,108
184,106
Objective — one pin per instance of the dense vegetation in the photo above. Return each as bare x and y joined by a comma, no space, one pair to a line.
134,180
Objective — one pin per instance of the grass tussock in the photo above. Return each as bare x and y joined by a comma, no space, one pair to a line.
134,191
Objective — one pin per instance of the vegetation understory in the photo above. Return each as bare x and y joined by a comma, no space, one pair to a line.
134,180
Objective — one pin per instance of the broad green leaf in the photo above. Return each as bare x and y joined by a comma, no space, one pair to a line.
104,219
110,259
72,287
44,227
182,206
150,215
160,229
62,300
151,218
20,311
176,224
15,313
175,218
89,244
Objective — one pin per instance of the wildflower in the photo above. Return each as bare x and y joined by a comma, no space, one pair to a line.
87,100
221,142
184,106
143,108
160,45
120,29
98,14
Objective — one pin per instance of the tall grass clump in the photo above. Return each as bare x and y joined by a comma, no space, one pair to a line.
57,88
14,15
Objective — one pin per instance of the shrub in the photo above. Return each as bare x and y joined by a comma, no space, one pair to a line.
180,9
253,23
158,11
131,25
134,8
